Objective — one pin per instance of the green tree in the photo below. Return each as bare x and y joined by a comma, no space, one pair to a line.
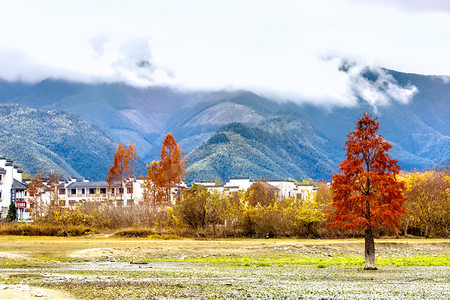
193,206
12,212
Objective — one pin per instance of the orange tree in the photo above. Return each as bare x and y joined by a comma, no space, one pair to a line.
366,193
171,165
35,190
153,185
123,165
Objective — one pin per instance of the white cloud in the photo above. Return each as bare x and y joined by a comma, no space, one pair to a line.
375,85
274,47
418,6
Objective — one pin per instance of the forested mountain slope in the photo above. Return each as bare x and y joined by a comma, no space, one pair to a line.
53,141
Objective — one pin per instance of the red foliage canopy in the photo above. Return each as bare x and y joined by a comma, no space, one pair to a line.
172,162
123,166
366,192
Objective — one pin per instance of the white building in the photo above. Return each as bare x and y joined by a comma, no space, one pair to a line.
11,188
71,192
285,188
238,184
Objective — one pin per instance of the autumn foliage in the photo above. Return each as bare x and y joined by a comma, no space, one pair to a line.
123,166
428,203
165,174
366,192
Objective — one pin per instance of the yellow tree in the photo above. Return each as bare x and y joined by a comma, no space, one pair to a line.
53,183
122,169
172,165
428,201
261,193
153,185
35,190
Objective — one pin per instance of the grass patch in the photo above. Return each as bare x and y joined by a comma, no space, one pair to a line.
321,262
440,260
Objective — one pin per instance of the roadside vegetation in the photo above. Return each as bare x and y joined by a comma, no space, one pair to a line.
257,213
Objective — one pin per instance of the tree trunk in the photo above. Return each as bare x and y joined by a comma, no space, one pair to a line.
406,227
369,250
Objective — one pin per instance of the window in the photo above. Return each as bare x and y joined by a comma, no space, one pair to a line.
73,191
1,196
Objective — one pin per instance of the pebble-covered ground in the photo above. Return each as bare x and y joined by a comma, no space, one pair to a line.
108,268
197,280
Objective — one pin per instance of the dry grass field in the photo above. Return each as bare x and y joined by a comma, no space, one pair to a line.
102,267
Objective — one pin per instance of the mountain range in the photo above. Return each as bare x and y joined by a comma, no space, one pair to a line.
74,128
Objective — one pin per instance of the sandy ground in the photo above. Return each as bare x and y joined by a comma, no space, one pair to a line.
180,249
26,292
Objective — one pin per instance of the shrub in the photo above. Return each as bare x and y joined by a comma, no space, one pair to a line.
44,230
135,232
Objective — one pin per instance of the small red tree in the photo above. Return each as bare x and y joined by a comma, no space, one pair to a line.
123,166
366,194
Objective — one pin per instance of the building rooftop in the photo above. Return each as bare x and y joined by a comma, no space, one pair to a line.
91,185
19,185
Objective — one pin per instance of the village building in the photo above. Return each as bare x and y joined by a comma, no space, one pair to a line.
12,189
283,188
72,192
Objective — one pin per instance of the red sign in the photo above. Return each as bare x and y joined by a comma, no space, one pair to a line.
21,204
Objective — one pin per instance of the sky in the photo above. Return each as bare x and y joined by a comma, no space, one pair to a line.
284,49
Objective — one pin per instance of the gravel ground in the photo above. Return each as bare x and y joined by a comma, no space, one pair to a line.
107,268
182,280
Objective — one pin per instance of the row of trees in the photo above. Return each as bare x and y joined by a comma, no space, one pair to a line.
161,176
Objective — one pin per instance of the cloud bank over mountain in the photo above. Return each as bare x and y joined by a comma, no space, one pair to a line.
287,49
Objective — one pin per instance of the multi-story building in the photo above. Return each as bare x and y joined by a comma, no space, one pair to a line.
12,189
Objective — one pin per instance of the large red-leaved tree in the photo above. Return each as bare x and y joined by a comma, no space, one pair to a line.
366,192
